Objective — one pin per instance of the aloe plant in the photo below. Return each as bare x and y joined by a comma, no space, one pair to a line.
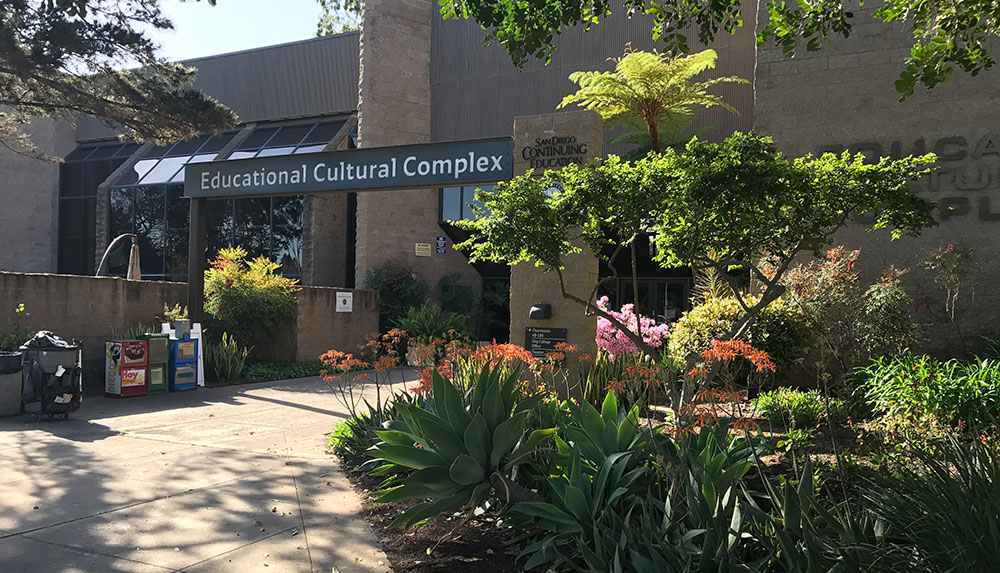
462,449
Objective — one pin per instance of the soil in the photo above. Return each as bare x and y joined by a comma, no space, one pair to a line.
478,545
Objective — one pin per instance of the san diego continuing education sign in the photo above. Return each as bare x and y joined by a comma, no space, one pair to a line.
406,166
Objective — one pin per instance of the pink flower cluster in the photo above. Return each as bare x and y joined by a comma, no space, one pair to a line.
613,341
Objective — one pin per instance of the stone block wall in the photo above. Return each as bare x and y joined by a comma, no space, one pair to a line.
29,200
843,97
92,308
394,108
530,284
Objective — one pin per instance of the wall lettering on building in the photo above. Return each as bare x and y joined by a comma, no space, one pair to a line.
553,152
965,182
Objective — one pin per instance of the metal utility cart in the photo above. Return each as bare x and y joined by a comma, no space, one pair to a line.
52,381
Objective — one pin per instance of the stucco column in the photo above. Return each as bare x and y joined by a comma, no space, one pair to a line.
541,140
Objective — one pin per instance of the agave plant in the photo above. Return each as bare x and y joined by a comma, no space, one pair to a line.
462,449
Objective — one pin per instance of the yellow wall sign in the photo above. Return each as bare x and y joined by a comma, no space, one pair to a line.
422,249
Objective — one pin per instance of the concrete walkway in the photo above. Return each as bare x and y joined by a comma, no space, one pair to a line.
216,480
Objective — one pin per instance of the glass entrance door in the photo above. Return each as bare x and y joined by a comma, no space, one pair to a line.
663,299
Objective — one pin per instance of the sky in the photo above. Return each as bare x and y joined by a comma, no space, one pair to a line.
201,29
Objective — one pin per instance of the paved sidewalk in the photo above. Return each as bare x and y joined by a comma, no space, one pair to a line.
214,480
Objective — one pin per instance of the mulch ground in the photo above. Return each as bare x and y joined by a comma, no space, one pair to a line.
478,545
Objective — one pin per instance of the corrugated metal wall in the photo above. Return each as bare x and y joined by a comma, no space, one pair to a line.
476,91
314,77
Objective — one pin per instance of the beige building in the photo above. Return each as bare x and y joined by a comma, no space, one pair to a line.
408,77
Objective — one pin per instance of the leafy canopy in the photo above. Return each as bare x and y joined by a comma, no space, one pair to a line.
655,89
738,200
713,205
947,34
337,16
66,59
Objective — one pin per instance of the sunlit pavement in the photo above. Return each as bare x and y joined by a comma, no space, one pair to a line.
220,479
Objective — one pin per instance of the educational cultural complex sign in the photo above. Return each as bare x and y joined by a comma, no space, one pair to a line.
404,167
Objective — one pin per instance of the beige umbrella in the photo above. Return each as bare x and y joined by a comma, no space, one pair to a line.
134,273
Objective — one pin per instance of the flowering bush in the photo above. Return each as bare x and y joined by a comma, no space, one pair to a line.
248,297
780,330
613,341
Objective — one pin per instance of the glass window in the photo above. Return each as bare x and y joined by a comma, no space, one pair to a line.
273,151
451,204
164,170
257,139
323,132
120,217
217,142
80,153
290,135
127,150
71,179
242,154
70,218
187,147
105,151
468,200
310,149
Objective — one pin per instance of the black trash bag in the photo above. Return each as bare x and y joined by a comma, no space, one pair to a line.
44,339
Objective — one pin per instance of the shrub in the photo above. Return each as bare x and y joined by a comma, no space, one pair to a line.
16,334
226,359
426,323
944,509
850,323
248,297
796,408
924,398
399,289
781,331
353,438
268,371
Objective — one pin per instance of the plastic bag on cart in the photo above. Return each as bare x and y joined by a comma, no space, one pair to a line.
45,339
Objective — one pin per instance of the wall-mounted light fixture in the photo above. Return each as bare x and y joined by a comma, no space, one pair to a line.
540,311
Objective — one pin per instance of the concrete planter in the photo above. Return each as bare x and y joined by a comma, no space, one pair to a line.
10,394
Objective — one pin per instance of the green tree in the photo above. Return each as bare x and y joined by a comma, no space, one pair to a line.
64,58
947,34
655,89
718,205
338,16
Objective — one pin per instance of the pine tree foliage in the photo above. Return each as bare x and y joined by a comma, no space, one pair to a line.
73,58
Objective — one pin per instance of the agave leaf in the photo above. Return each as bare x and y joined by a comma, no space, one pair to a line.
528,446
424,511
557,519
493,407
506,436
435,478
609,410
396,438
439,434
477,440
407,456
466,471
